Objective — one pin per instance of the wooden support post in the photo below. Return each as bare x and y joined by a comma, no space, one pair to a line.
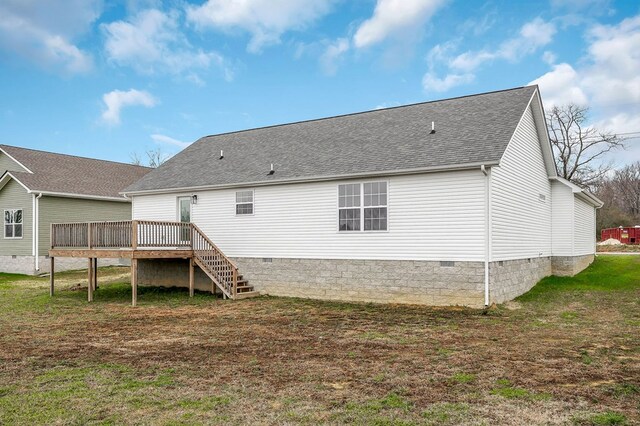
235,283
134,282
90,286
51,275
95,273
191,276
134,234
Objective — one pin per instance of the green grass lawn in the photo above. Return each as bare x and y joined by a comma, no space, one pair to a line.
567,352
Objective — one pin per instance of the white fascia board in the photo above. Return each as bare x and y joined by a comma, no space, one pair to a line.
21,165
7,177
543,134
579,192
82,196
461,167
535,103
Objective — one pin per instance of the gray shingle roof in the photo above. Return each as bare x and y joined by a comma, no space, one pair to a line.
69,174
471,129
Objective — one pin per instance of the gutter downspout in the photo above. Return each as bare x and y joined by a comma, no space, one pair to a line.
487,230
36,226
33,232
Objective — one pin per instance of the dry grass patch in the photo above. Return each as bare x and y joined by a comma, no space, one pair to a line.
567,354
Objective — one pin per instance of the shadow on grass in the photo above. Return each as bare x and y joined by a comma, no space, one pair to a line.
121,293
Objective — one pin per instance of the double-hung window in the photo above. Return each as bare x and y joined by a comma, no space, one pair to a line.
244,202
13,223
362,206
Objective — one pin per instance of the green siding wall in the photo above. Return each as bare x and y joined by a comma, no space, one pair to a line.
14,196
7,163
65,210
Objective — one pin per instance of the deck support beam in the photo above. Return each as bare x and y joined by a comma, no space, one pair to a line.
191,276
51,275
90,286
95,273
134,282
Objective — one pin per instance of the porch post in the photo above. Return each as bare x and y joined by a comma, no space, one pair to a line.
134,282
51,275
191,276
95,273
90,286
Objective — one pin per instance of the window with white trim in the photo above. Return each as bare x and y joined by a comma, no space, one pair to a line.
244,202
362,206
13,223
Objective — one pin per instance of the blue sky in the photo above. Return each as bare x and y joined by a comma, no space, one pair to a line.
106,79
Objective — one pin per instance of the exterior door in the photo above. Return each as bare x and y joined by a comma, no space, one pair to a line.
184,209
184,215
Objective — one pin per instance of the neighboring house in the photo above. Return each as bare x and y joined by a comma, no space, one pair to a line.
447,202
39,188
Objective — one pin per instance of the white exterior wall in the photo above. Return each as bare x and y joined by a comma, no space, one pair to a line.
563,218
435,216
520,221
584,227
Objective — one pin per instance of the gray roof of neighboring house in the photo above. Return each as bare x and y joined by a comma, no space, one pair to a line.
469,130
68,174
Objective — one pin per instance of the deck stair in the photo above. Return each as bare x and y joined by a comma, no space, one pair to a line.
222,271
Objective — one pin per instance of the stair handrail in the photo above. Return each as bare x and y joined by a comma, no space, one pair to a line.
216,249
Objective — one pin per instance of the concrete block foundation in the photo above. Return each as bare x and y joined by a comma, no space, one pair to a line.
380,281
570,265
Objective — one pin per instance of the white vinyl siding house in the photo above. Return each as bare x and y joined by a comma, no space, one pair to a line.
378,207
429,216
563,219
585,227
521,198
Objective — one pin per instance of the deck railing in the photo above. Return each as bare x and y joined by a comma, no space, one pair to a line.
145,235
123,234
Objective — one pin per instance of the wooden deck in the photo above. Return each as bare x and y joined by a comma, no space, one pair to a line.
139,239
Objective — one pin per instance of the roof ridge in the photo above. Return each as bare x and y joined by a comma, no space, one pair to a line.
361,112
74,156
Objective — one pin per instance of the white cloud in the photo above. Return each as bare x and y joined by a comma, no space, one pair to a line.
549,57
333,54
609,75
118,99
265,20
431,83
606,79
169,140
44,32
561,86
533,35
395,18
151,41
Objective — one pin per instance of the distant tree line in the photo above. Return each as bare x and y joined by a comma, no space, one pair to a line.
580,152
620,192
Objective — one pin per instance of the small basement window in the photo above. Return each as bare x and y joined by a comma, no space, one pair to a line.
13,223
244,202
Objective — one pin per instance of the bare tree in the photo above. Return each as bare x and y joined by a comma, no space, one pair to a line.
155,158
579,149
627,184
135,159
